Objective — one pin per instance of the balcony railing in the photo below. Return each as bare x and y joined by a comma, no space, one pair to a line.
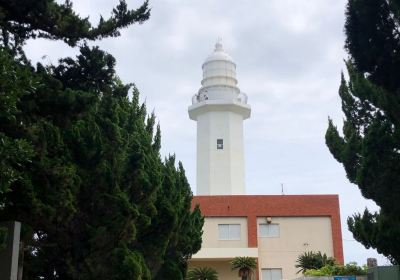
202,95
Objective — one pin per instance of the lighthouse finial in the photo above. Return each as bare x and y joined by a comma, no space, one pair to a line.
218,45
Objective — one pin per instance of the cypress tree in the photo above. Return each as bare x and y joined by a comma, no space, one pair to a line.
21,20
80,161
370,145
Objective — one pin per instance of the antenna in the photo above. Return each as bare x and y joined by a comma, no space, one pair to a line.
282,189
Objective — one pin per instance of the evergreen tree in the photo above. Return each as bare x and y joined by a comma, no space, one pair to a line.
79,159
184,226
370,145
24,19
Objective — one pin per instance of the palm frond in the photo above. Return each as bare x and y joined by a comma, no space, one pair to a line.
202,273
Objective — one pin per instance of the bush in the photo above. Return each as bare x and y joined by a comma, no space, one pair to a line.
340,270
202,273
313,260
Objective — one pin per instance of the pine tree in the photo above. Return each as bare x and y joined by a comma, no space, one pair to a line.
80,159
185,226
370,145
21,20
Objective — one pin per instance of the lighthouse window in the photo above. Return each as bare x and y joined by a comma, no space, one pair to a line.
220,144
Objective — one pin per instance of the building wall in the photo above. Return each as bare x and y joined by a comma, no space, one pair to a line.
254,206
220,171
306,222
296,235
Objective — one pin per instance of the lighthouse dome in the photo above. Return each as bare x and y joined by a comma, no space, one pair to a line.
218,54
219,76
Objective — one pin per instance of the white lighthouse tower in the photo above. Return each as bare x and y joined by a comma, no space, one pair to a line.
219,108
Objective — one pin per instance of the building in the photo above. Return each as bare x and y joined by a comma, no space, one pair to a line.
275,229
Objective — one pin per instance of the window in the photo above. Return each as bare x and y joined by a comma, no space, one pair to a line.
220,144
268,230
229,232
271,274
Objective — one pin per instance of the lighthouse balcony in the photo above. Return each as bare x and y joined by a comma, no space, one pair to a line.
222,105
220,93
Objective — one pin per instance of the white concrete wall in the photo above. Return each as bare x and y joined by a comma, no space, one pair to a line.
224,253
219,109
297,235
220,172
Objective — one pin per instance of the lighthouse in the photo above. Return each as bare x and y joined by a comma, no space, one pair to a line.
219,108
274,229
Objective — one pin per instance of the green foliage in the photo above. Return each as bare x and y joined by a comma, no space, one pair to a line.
21,20
167,254
3,238
313,260
245,266
350,269
372,40
328,270
202,273
16,83
80,162
377,230
370,145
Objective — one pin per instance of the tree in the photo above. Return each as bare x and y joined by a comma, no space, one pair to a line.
24,19
79,158
14,153
167,254
313,260
202,273
369,147
245,266
3,238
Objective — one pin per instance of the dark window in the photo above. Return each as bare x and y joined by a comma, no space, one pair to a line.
220,144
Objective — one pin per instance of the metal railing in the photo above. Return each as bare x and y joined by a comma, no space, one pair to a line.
202,95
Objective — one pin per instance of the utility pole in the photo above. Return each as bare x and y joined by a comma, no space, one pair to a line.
10,254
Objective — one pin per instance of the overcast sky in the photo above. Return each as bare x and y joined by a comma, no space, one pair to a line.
289,55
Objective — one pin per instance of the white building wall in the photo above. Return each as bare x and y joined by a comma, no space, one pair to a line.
220,171
297,235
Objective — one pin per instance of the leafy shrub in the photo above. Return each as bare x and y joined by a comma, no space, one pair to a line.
340,270
313,260
202,273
